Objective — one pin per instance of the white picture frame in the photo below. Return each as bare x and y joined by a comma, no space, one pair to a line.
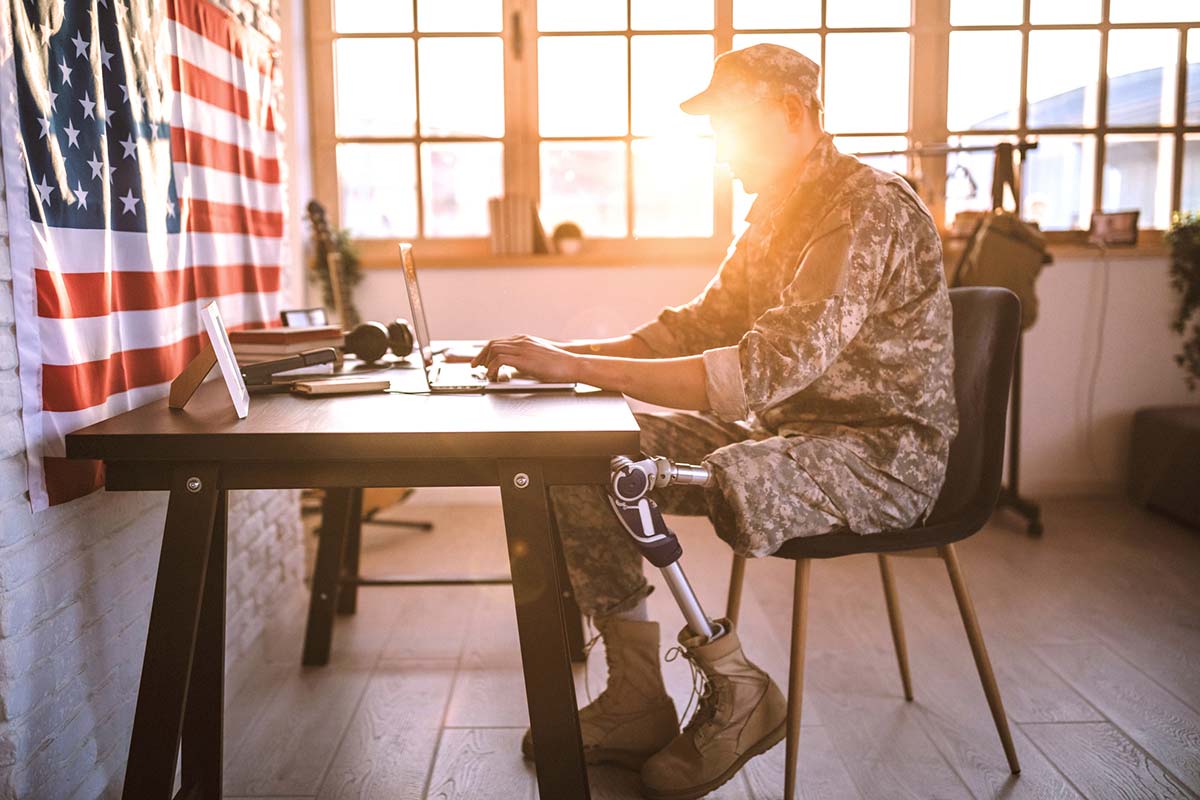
214,326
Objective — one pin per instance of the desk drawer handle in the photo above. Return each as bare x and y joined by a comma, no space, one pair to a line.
194,484
521,480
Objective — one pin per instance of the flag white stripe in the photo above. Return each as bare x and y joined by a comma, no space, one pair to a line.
192,47
205,183
125,251
79,340
217,123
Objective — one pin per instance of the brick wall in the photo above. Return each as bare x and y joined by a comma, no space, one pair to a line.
76,583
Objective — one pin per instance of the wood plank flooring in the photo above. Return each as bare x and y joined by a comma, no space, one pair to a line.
1093,630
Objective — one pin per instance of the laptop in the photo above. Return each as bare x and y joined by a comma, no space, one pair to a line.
456,377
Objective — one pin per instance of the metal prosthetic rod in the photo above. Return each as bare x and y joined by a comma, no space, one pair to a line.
631,483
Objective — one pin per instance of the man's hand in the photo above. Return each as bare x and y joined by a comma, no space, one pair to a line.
672,382
531,355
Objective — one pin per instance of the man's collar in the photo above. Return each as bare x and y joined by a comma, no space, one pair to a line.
781,194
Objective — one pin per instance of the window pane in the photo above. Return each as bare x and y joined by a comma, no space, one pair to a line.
869,14
1154,11
456,181
1057,182
876,144
1193,77
749,14
1141,77
378,185
672,15
456,16
969,178
986,12
1062,78
1057,12
582,86
360,65
1137,175
866,83
673,187
584,183
807,43
572,15
370,16
985,79
1191,173
462,86
666,71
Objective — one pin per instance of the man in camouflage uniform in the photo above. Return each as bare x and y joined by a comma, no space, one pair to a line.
820,358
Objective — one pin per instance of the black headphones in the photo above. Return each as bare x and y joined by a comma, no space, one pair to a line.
370,341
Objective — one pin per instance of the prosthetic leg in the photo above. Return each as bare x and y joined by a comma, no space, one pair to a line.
628,493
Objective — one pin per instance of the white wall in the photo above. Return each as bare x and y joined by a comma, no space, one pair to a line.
1137,368
76,583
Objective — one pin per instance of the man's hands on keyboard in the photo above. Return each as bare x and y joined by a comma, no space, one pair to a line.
529,356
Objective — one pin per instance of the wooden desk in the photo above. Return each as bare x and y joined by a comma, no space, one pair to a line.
521,443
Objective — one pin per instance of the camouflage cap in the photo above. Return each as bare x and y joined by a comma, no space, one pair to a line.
743,77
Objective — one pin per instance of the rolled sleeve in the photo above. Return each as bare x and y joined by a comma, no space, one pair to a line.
724,384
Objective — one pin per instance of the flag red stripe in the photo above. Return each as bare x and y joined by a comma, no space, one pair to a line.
219,28
190,147
203,85
206,216
73,387
94,294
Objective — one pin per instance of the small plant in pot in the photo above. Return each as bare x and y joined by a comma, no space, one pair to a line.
1183,239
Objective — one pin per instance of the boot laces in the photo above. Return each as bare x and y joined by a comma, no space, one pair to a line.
704,692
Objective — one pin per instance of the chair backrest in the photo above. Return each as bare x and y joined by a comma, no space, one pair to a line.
987,322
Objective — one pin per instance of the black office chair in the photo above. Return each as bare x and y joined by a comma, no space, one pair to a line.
987,322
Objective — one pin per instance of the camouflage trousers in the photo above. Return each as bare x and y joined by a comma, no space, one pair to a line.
604,564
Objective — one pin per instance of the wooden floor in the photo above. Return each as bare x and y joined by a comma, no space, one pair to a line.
1094,632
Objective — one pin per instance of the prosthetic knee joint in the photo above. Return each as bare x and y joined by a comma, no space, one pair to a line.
628,492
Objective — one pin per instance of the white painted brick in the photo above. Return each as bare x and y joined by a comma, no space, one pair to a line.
16,522
10,393
8,350
12,436
6,306
12,481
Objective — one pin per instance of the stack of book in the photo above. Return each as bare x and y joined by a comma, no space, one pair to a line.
515,226
273,343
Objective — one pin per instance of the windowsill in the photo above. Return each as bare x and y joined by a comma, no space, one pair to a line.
1064,245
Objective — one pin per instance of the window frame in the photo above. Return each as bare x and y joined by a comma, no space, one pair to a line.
929,48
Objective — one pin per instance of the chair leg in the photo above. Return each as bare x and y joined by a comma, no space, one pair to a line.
982,663
796,675
737,575
893,608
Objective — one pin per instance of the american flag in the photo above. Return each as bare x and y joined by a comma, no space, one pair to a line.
144,179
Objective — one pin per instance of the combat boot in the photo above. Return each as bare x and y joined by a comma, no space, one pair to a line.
633,718
741,714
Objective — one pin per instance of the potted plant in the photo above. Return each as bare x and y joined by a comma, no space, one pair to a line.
1183,239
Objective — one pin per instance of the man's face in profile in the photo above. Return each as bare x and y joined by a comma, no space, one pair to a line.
754,141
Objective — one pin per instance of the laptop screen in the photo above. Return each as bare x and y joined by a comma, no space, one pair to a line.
420,325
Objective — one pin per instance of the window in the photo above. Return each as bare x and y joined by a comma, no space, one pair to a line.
1113,104
423,109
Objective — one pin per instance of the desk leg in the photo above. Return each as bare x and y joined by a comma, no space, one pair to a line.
541,624
203,749
335,520
158,718
348,595
574,617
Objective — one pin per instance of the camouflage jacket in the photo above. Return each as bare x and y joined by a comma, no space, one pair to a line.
830,320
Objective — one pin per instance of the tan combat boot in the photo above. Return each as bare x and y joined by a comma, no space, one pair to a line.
741,714
633,718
